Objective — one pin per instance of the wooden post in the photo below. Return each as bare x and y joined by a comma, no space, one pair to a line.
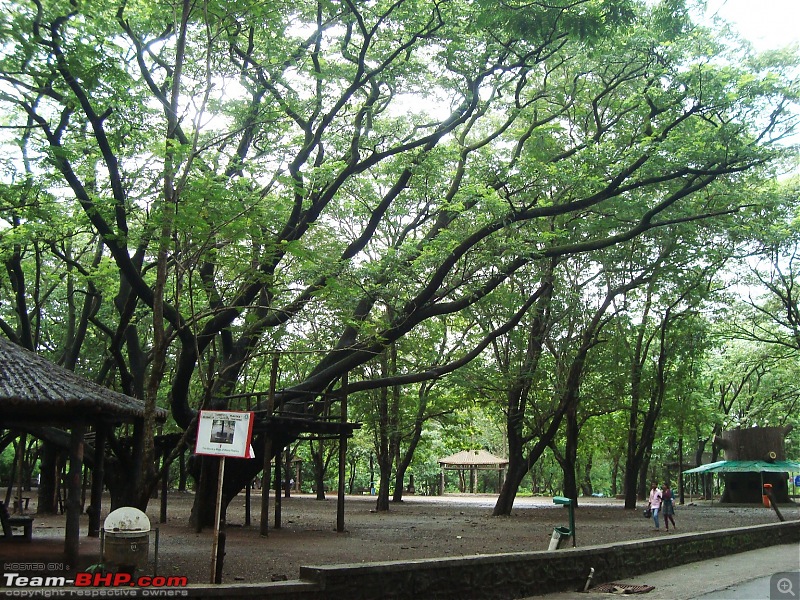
247,503
162,515
20,464
267,474
84,484
182,470
98,475
278,487
72,534
217,513
681,490
342,457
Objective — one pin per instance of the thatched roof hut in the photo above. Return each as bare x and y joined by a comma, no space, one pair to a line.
480,459
34,390
472,461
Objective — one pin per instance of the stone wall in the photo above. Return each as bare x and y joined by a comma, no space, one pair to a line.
505,576
522,574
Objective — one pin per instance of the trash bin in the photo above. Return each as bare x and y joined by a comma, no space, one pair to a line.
126,539
559,537
562,533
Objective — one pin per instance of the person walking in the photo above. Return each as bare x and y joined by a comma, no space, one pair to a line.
668,506
655,503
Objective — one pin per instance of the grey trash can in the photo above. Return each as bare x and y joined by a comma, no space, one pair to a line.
126,539
559,537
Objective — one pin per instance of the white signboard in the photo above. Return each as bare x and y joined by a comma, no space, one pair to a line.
224,433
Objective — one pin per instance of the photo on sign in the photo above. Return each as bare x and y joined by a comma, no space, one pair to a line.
222,431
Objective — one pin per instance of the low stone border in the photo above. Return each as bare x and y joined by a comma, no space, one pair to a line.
517,575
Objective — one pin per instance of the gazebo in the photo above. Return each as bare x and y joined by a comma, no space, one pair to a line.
472,461
35,392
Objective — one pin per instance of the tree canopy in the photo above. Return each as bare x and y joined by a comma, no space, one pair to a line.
191,186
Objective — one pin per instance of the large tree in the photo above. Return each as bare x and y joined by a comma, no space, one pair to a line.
243,164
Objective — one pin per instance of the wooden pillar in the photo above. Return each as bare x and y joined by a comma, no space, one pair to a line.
182,470
98,476
278,487
247,503
681,491
20,469
342,458
162,515
267,474
72,535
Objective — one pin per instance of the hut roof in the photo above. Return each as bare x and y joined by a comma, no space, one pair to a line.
33,389
473,458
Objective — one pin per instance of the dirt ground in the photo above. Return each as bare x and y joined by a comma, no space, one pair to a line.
419,527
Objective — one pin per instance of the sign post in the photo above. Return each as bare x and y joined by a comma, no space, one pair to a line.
223,434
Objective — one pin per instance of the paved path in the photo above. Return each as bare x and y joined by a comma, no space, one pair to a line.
768,574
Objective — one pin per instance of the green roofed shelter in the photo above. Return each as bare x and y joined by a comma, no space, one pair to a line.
763,471
748,466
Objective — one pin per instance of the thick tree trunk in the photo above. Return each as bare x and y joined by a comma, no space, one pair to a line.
586,482
505,501
615,477
570,464
383,449
629,483
50,470
399,482
633,459
754,443
384,479
413,442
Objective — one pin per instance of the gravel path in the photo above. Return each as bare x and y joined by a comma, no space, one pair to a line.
419,527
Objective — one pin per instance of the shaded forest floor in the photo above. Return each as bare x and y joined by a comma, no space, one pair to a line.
419,527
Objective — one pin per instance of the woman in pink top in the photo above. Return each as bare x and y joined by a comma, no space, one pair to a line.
655,502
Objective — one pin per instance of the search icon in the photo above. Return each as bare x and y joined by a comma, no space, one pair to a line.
784,586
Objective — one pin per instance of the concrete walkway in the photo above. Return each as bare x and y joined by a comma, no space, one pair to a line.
768,574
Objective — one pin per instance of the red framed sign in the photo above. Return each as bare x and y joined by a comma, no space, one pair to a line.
224,433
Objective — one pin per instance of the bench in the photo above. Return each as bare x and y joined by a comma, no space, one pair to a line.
10,522
26,500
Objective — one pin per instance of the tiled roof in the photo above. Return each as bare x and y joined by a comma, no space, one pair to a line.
34,389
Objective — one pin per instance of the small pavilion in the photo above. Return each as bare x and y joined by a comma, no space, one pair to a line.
35,393
472,461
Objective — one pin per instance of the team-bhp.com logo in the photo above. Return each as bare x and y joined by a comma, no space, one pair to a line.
94,580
